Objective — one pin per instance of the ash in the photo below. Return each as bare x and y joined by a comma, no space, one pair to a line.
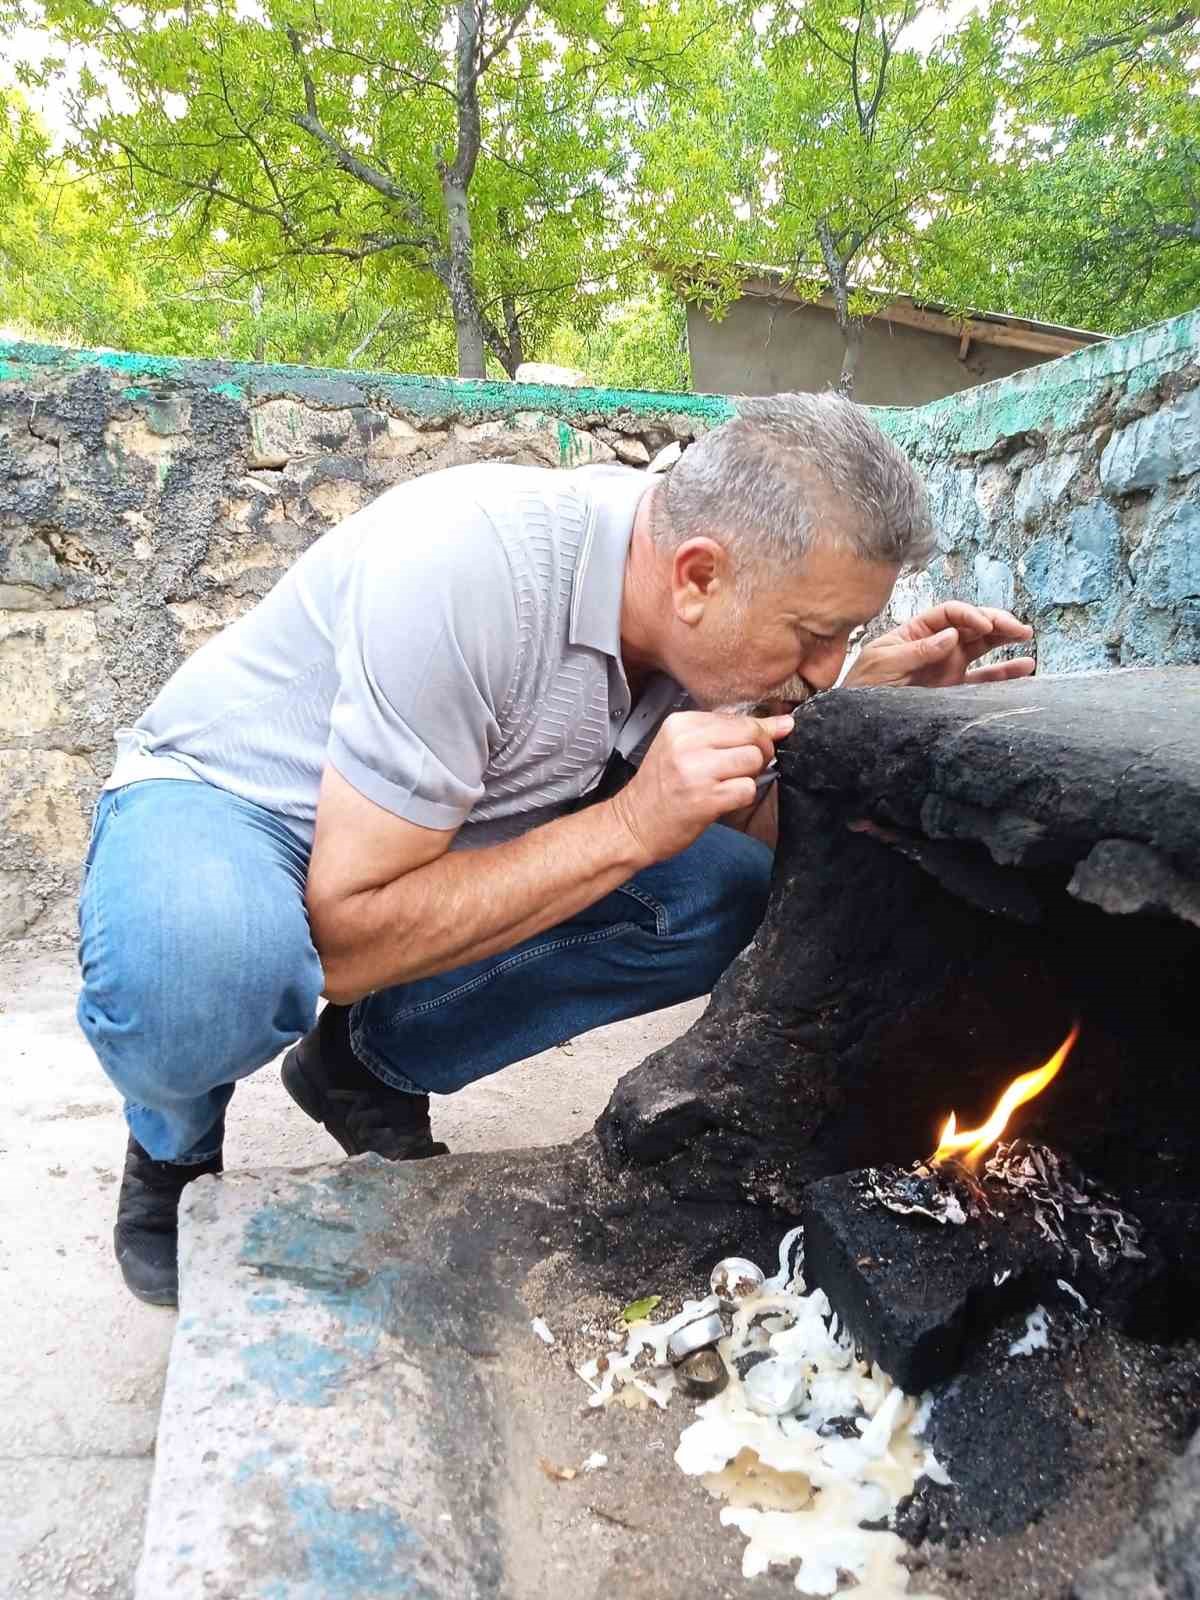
1057,1189
921,1191
1050,1185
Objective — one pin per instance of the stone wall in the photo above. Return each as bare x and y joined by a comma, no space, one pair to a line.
146,502
1071,494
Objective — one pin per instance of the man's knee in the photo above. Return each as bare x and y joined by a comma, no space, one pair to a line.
179,999
725,884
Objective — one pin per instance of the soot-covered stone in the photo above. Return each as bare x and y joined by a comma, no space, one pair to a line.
917,1264
961,874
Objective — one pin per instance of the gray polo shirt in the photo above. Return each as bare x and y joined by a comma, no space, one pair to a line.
453,650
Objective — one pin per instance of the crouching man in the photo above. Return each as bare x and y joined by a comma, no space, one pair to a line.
392,782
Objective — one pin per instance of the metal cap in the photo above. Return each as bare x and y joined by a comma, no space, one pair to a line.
736,1280
698,1335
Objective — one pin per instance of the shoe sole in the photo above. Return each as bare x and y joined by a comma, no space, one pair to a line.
151,1297
154,1297
305,1096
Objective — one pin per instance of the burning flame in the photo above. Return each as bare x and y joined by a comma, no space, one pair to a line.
976,1140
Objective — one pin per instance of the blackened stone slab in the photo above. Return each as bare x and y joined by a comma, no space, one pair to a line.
914,1291
907,1287
933,930
1040,771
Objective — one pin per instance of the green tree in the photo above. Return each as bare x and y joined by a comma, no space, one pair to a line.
825,143
461,157
1097,219
75,267
639,343
1090,231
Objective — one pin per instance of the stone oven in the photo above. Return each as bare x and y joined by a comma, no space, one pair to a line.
962,876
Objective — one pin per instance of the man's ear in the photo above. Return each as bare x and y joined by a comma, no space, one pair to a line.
700,569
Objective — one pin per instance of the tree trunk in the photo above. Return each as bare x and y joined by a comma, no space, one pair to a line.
512,329
463,303
456,183
852,333
851,327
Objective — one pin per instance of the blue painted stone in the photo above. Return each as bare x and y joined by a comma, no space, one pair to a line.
1164,445
1166,564
353,1551
1079,566
1184,648
953,506
1060,651
995,582
1042,486
297,1370
1146,638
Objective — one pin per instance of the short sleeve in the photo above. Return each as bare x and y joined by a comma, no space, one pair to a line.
426,648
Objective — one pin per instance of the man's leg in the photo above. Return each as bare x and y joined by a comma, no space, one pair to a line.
665,936
198,967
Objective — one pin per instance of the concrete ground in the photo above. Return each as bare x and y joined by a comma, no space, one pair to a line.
81,1362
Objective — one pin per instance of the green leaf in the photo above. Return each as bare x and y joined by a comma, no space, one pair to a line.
639,1310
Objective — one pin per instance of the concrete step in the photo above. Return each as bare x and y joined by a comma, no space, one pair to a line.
356,1404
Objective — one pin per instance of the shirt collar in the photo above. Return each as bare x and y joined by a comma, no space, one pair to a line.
596,592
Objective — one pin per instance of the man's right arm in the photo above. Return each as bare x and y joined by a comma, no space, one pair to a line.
389,902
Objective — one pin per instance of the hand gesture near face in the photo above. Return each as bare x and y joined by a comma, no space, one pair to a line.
939,648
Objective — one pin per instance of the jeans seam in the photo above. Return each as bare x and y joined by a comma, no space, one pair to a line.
546,947
376,1064
92,886
661,924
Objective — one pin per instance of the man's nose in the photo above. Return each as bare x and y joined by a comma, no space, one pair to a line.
821,667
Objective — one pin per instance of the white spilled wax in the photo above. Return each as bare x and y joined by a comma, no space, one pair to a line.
794,1487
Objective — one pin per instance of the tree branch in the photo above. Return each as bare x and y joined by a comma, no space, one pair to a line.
466,150
506,37
1134,38
368,337
416,79
885,56
858,105
345,160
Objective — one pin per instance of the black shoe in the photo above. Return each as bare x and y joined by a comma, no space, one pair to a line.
146,1235
329,1083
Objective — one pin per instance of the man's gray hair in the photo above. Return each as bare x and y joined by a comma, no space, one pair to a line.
791,470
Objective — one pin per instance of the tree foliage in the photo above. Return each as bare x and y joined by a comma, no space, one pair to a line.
825,144
438,157
444,183
1096,214
639,344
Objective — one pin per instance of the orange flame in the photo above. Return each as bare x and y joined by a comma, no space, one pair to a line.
976,1140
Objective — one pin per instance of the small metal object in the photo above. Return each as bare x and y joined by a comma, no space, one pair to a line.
703,1373
736,1280
698,1335
775,1388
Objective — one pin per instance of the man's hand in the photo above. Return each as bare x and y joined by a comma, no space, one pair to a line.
938,648
700,767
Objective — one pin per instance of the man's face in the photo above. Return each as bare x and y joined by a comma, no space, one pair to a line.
787,638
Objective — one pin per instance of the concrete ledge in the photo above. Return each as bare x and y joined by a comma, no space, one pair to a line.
357,1406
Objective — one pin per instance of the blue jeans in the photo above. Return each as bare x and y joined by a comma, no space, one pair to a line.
198,964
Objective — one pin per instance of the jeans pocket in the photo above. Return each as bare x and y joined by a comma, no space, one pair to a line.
650,912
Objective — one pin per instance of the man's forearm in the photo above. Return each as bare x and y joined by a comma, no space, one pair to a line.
469,904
